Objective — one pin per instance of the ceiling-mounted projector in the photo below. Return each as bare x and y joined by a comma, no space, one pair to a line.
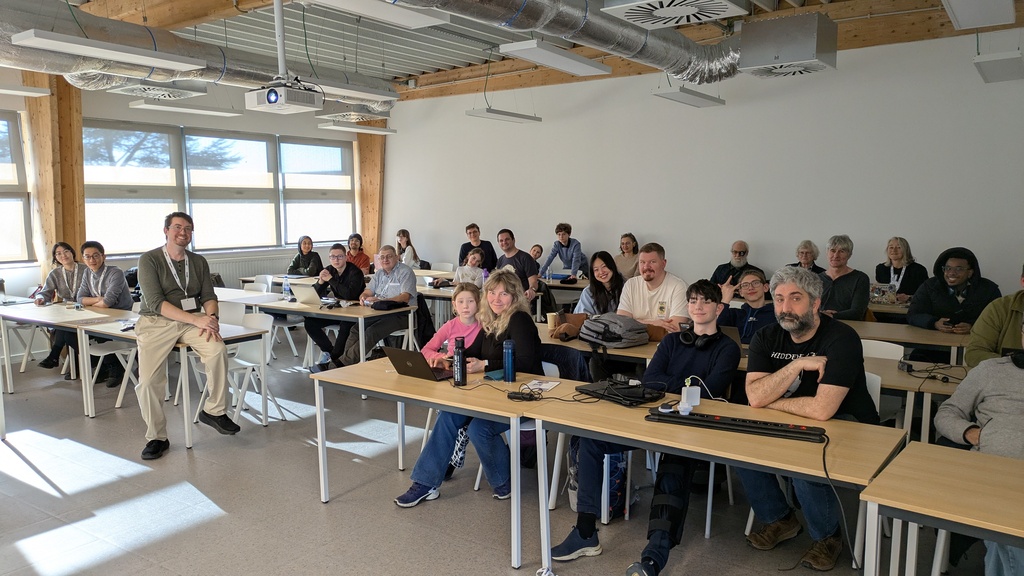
284,100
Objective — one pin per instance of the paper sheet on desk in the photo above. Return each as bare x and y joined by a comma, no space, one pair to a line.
541,385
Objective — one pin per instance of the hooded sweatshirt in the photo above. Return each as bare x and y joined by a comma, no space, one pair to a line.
306,264
935,300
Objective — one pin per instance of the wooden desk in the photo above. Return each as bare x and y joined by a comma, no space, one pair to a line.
247,297
434,274
443,297
278,280
900,309
640,354
911,335
378,378
355,312
855,454
957,490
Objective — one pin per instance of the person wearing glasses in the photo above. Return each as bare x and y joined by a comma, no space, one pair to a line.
61,286
104,287
757,311
952,299
342,280
393,281
732,270
178,305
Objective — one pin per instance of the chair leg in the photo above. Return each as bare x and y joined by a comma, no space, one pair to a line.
711,500
128,375
750,523
858,540
426,430
629,482
605,500
479,477
939,560
728,483
27,355
291,342
270,395
274,339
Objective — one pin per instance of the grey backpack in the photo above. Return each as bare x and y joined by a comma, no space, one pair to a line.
613,331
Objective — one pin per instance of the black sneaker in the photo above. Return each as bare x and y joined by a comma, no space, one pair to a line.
48,363
221,423
114,380
155,449
318,368
449,472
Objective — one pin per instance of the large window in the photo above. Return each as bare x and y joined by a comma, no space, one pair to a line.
14,215
243,190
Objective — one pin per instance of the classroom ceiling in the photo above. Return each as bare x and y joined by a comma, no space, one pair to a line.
455,58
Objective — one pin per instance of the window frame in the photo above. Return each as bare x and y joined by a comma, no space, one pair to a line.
18,191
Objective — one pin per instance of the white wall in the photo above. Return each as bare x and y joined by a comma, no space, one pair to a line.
899,140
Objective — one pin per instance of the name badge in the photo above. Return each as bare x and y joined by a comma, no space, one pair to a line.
189,304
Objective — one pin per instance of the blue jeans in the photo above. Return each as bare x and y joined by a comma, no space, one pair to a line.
821,509
1003,560
483,434
433,461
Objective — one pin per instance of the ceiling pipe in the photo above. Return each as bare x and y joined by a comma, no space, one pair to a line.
665,49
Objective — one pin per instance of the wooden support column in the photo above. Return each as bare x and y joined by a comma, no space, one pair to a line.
53,139
369,152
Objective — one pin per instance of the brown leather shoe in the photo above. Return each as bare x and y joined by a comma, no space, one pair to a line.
770,535
823,553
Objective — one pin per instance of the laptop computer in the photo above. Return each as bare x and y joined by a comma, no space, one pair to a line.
412,363
306,295
620,393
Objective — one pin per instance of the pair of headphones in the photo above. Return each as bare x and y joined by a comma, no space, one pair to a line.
701,341
1018,359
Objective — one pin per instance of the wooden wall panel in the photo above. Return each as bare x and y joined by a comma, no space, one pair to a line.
370,185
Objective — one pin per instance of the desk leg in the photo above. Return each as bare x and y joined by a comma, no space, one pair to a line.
542,493
362,340
412,326
517,512
908,413
873,541
401,435
6,338
895,544
912,532
186,400
85,373
263,377
3,418
538,315
321,441
926,418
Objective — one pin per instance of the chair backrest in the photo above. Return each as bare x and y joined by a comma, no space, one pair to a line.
250,351
874,384
550,369
879,349
445,266
266,279
231,312
256,287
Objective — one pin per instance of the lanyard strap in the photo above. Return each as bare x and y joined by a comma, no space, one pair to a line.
174,271
893,278
72,286
97,291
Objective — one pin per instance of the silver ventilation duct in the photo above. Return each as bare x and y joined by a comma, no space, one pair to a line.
573,20
224,65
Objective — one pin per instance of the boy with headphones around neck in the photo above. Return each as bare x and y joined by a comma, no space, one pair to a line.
697,350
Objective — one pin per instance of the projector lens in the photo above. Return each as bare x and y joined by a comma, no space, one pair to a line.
272,96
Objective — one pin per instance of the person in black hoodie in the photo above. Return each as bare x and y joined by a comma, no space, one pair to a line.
306,262
952,299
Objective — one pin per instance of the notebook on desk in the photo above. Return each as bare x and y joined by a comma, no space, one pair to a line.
619,393
412,363
11,300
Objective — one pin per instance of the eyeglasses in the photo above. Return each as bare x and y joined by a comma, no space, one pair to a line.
92,256
386,256
62,253
739,252
180,228
955,269
334,257
751,284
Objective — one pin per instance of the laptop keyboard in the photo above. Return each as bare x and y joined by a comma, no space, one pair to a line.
443,373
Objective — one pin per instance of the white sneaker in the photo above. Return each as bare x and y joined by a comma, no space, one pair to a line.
325,358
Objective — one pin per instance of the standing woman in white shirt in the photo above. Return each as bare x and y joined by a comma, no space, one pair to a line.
406,251
61,286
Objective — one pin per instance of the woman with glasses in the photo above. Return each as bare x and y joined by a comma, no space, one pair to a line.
757,310
306,261
900,269
806,254
61,286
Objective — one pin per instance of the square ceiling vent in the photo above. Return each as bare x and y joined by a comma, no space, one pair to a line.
672,13
788,46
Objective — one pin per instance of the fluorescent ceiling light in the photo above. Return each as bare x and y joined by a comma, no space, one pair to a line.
352,90
1000,67
965,14
388,12
353,127
540,52
79,46
503,115
26,91
181,107
691,97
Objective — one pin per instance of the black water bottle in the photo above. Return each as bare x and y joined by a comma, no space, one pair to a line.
508,358
459,361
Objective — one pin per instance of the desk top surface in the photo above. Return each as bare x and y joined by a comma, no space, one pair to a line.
889,308
246,296
905,334
62,315
434,274
579,286
379,376
644,352
855,453
961,486
115,330
354,311
279,279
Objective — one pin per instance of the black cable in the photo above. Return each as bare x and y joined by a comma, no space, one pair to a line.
842,509
68,2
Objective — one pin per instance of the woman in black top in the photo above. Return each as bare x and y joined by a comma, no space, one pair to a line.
901,269
306,262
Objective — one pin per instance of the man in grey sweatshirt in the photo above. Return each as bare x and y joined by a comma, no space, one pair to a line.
987,413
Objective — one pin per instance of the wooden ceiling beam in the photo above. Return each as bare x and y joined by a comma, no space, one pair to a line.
172,14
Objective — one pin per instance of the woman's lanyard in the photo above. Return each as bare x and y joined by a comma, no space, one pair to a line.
893,278
97,291
73,285
174,272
